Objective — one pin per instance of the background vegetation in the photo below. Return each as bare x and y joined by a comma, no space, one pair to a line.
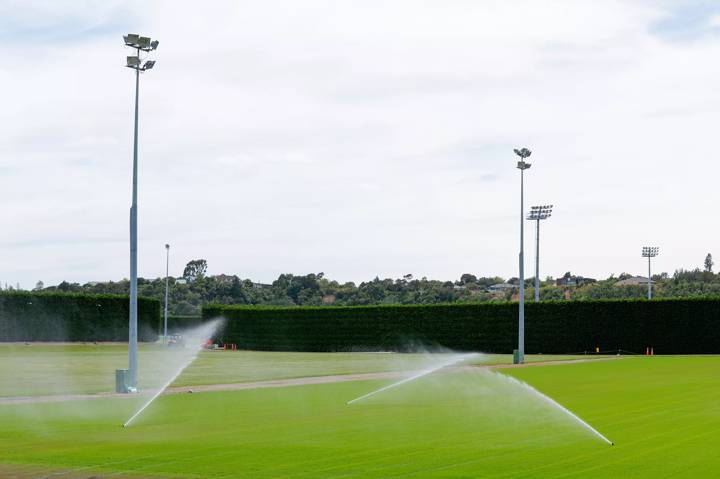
195,289
671,326
26,316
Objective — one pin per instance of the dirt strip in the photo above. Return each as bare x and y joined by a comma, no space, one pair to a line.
281,383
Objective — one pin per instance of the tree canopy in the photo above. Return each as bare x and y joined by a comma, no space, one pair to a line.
314,289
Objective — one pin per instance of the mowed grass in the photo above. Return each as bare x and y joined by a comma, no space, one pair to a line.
45,369
662,413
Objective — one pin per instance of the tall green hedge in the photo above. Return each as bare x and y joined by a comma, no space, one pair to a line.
676,326
26,316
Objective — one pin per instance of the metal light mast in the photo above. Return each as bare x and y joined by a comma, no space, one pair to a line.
538,213
522,166
139,44
650,252
167,286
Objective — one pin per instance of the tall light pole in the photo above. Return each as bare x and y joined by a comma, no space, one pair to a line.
144,44
538,213
522,166
650,252
167,275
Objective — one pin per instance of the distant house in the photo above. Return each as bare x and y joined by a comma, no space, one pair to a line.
501,287
328,299
261,286
634,281
572,280
180,281
224,278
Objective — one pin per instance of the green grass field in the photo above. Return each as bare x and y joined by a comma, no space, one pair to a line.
87,368
662,413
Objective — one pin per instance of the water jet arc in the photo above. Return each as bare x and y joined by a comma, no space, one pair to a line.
557,405
455,359
198,336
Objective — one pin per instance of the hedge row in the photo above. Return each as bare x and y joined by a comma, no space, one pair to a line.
673,326
26,316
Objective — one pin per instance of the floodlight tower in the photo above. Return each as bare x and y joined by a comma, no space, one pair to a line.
143,44
167,275
522,165
538,213
650,252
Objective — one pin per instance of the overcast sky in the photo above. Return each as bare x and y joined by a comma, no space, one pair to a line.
358,138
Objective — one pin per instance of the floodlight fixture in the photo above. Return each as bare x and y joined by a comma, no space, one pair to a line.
540,212
522,153
131,39
139,43
650,251
144,42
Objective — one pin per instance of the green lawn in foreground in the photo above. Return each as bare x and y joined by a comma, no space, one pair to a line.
41,369
662,413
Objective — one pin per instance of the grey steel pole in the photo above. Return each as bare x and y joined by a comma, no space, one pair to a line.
167,275
521,319
132,349
649,280
537,260
522,165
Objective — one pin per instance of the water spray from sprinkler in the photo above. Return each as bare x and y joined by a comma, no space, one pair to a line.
454,360
197,338
556,405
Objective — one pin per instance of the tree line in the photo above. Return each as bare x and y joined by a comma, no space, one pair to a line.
195,289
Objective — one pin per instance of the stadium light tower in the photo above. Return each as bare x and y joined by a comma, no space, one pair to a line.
538,213
650,252
139,44
167,275
522,165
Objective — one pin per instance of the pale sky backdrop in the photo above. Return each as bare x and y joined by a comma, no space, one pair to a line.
358,138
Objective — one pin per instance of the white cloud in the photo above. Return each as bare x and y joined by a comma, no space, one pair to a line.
356,138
